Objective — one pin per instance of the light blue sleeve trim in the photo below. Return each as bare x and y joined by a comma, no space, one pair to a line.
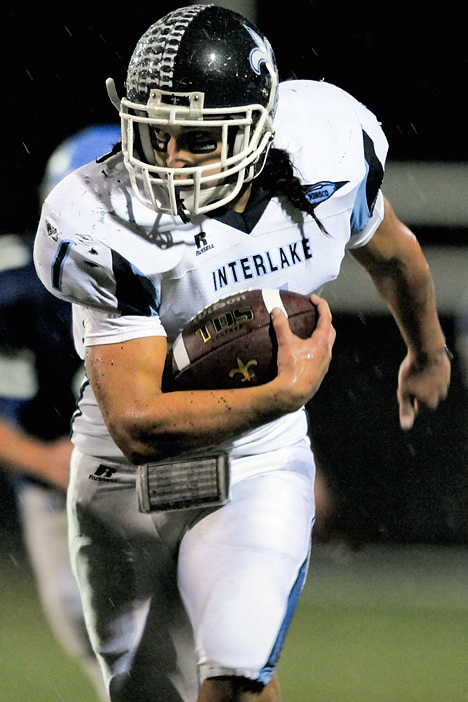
360,215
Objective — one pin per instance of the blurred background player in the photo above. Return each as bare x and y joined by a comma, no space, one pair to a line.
39,376
462,338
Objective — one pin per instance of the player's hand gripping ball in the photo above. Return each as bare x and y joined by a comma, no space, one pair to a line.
232,343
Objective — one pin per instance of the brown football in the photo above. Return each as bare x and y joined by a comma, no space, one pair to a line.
232,342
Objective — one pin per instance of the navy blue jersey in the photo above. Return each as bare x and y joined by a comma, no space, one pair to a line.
36,325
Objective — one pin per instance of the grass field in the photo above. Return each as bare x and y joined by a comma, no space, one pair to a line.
376,625
381,625
33,667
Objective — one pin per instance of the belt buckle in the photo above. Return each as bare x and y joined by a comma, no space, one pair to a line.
184,483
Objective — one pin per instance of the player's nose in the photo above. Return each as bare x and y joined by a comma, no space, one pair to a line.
175,156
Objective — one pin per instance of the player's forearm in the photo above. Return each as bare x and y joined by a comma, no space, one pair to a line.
399,270
47,461
149,425
408,290
15,447
19,451
171,423
181,421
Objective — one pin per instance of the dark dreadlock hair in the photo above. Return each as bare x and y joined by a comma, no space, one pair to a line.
278,176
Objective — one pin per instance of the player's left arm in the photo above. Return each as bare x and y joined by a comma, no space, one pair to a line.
401,275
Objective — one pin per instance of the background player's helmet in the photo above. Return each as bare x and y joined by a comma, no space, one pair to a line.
199,63
78,149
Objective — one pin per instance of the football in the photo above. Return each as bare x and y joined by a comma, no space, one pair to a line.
232,342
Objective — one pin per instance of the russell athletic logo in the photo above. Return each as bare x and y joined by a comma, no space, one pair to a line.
104,474
202,243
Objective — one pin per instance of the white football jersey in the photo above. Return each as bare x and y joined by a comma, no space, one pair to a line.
132,273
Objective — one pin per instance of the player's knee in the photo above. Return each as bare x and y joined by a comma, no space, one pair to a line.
238,689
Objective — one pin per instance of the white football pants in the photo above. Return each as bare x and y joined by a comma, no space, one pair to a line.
173,598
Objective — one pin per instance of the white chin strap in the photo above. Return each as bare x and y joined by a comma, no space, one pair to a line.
169,198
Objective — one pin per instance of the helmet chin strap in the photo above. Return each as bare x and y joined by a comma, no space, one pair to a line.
180,208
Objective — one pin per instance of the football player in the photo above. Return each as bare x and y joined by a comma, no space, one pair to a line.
225,180
38,372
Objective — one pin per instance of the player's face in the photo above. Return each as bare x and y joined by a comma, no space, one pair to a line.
182,147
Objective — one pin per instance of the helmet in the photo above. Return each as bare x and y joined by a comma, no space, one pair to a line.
77,150
198,63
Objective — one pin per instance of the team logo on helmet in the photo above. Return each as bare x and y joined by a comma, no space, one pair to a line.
262,54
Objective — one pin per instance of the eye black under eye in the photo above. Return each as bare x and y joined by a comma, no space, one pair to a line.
158,143
200,143
195,142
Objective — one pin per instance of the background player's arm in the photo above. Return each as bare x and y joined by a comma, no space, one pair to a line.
149,425
45,460
399,270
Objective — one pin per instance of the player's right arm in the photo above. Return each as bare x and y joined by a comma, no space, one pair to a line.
150,425
125,369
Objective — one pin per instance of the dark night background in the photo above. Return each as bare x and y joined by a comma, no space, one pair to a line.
408,63
405,61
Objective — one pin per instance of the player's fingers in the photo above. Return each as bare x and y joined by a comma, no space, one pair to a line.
324,315
280,323
323,335
408,411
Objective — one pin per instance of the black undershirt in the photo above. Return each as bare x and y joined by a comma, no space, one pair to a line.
245,221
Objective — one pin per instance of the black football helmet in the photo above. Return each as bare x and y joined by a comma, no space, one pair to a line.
200,63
